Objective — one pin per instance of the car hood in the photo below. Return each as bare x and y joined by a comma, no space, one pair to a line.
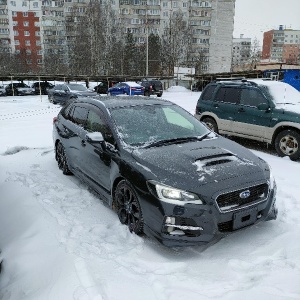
290,107
200,162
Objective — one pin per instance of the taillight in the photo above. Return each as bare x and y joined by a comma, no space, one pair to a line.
150,87
54,119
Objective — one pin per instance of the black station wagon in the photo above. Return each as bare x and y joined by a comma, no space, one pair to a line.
262,110
163,172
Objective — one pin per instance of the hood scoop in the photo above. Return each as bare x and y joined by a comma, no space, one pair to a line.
217,159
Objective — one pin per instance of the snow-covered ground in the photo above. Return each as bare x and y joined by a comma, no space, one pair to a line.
59,241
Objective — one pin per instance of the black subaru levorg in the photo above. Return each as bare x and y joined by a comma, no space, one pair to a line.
163,172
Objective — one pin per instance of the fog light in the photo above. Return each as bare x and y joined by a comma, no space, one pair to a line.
170,220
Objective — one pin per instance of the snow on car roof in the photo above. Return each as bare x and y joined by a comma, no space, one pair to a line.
132,83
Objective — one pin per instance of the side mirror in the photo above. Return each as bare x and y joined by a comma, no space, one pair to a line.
94,137
263,106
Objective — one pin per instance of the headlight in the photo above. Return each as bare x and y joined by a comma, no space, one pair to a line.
172,195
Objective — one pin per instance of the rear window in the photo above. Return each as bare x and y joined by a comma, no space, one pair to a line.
208,92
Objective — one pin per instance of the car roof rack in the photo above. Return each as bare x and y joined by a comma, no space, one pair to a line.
230,78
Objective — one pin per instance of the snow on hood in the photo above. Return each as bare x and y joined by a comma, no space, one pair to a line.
201,162
281,92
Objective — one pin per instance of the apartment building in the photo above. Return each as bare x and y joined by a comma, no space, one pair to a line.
241,51
44,27
282,45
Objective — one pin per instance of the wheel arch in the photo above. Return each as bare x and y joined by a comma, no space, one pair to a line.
282,128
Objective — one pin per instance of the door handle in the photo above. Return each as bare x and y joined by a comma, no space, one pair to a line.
83,143
216,105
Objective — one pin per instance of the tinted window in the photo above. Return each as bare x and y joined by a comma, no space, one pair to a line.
80,115
208,92
96,123
57,87
67,111
251,97
228,94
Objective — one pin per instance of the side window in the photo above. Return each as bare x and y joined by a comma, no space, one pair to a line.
58,87
80,115
97,123
228,95
208,92
251,97
67,111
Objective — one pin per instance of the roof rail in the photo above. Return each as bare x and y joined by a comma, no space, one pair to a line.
230,78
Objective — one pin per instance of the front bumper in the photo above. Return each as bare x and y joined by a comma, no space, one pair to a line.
194,224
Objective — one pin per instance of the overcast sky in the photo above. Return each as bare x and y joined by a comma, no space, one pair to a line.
254,17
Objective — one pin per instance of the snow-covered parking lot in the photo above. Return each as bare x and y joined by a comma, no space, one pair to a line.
59,241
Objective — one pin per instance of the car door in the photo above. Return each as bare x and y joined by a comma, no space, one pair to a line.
74,128
224,106
56,93
249,120
97,156
116,89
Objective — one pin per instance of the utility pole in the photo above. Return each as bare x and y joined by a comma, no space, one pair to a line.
147,42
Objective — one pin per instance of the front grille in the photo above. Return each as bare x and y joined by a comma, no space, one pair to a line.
233,200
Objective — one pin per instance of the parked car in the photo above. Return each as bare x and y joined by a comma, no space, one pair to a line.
164,172
18,89
2,90
126,88
152,87
262,110
102,87
42,87
61,93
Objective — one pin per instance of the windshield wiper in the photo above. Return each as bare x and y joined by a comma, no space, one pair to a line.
177,140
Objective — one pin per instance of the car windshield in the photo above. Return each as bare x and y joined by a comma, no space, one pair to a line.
146,125
77,87
281,93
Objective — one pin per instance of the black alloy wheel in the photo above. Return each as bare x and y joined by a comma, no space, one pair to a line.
211,124
128,207
287,143
61,158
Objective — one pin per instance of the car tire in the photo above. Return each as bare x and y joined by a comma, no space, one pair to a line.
211,124
61,158
287,143
159,95
147,94
128,208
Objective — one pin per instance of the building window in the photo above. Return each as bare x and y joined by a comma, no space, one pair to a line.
36,14
25,14
29,61
175,4
39,61
16,32
15,23
17,42
14,13
13,3
184,4
38,43
17,51
37,33
26,33
28,51
27,43
26,23
37,24
35,4
40,52
24,3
